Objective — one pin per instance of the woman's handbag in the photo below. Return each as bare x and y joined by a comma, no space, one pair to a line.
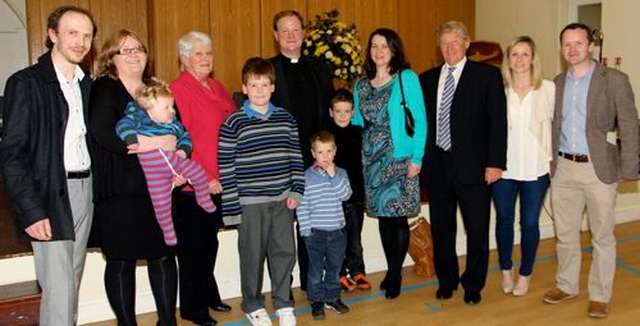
421,247
409,124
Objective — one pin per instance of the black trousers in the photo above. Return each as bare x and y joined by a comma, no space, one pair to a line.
445,194
197,250
353,261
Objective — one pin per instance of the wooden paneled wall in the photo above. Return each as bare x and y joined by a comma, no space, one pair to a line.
241,29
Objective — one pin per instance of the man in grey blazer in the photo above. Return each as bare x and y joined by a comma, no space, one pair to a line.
595,136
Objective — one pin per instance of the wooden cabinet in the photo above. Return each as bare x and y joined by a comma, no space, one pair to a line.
242,29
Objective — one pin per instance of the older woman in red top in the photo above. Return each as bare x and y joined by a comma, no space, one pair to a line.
203,104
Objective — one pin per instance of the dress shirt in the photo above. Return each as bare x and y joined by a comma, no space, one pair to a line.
573,132
443,78
76,154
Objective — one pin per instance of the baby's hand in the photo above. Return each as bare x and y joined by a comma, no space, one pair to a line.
181,154
133,148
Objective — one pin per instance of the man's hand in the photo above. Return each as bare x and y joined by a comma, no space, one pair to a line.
492,175
40,230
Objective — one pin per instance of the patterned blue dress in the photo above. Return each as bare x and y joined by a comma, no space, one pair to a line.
389,193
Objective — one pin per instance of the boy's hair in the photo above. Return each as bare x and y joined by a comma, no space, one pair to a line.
324,137
148,94
342,95
258,67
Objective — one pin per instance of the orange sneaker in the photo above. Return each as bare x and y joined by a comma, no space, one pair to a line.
346,285
361,282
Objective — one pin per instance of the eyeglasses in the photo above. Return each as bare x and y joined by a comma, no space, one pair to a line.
133,50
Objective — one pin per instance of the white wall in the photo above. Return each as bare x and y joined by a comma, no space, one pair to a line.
13,39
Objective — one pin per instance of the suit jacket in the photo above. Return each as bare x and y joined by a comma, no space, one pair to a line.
478,121
610,105
32,147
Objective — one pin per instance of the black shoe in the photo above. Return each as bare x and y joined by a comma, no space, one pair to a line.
391,293
444,293
221,307
472,297
206,321
317,310
383,284
337,306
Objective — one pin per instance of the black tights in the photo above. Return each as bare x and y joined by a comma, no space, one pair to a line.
394,235
120,283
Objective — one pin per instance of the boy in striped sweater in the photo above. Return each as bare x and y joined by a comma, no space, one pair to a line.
153,115
262,174
322,225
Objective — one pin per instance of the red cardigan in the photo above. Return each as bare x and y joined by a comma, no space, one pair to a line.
202,112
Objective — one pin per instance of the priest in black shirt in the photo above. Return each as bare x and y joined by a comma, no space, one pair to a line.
304,87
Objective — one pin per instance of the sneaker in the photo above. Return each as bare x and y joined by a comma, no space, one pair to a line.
346,285
361,282
337,306
286,316
259,318
317,310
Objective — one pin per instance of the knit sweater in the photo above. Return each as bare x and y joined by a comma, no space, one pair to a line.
137,121
321,206
260,160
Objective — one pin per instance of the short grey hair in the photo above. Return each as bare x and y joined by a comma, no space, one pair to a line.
452,26
188,40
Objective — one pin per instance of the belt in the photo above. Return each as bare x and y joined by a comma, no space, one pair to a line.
78,174
579,158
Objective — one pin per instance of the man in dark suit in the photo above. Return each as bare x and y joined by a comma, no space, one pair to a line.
304,87
45,160
465,154
594,108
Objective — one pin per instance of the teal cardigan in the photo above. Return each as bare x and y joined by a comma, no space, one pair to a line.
403,145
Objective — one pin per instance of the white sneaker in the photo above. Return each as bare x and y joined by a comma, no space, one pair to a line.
259,318
286,316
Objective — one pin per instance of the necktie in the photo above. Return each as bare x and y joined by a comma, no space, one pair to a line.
444,125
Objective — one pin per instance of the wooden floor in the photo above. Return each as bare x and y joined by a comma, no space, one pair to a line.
417,304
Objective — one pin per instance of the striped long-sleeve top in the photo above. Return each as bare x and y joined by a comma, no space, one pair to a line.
321,206
137,121
260,160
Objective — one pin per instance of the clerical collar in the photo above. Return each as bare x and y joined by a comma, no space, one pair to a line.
294,60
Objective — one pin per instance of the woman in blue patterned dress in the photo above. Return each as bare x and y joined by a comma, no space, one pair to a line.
391,156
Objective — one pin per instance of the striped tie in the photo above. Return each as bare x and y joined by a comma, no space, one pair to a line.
444,128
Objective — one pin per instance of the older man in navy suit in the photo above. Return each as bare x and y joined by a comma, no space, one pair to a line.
465,154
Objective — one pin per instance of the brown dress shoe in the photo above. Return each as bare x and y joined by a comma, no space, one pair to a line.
557,296
598,309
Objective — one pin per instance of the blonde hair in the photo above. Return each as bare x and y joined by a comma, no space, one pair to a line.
536,65
147,95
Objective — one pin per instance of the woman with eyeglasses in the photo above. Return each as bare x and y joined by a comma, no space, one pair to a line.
203,104
125,220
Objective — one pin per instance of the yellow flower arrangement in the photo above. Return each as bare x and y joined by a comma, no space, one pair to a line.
337,44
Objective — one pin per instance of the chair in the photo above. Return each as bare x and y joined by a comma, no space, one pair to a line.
486,52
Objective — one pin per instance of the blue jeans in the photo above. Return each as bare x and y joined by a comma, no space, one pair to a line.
532,195
326,253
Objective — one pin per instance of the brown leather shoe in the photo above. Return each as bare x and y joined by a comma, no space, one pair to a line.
598,309
557,296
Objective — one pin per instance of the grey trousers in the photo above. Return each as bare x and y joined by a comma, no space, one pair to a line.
59,264
266,231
